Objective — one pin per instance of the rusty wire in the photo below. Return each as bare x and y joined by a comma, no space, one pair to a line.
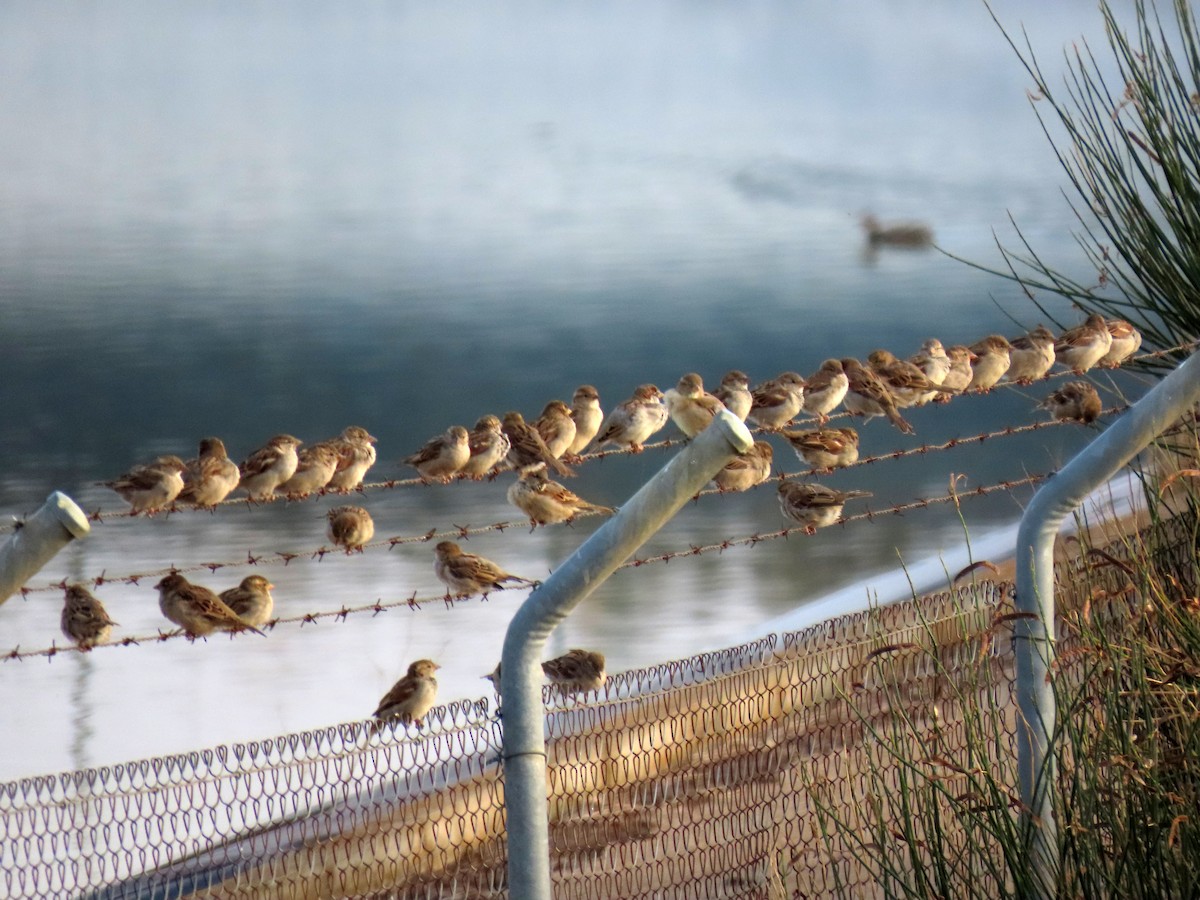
418,603
101,515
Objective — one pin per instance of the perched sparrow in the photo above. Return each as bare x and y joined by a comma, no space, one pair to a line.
84,618
546,501
466,574
556,427
869,396
908,384
585,410
734,392
825,449
526,446
576,671
211,476
691,407
413,696
960,373
633,422
1031,356
150,487
992,359
934,365
777,401
356,454
814,505
350,527
488,445
747,469
251,600
267,468
1082,347
443,455
825,390
196,609
1125,342
315,466
1075,401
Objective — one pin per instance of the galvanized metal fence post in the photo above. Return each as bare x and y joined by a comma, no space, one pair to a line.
525,785
38,539
1034,635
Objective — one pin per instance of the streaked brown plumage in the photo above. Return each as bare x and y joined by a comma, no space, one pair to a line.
1075,401
269,466
148,488
350,527
734,392
576,671
825,449
466,574
1126,340
488,445
412,697
251,600
315,466
747,469
868,396
634,421
211,476
690,407
547,502
196,609
527,447
777,401
1031,356
587,415
443,456
825,390
1083,346
814,505
84,618
993,356
556,427
907,383
356,455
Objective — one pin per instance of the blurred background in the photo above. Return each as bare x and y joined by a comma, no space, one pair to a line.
241,218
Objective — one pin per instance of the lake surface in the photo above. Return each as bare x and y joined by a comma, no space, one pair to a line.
241,219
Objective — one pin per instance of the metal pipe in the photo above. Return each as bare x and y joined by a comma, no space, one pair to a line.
38,539
1033,635
524,754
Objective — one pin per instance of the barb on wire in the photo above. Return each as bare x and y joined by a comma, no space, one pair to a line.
416,603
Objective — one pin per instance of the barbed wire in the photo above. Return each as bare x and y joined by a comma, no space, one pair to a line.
417,603
101,515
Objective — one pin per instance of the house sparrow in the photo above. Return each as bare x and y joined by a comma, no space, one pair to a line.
251,600
1082,347
632,423
908,384
196,609
585,410
356,454
546,501
825,449
1075,401
488,445
443,455
270,466
84,618
148,488
934,364
814,505
350,527
960,373
412,697
777,401
691,407
576,671
992,359
466,574
1031,356
734,392
747,469
825,390
869,396
1126,340
211,476
527,447
556,427
315,466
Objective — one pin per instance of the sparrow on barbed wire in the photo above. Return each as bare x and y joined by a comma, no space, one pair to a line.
1126,341
150,487
777,401
690,407
269,466
868,396
527,447
315,466
251,600
443,456
210,477
633,422
825,390
350,527
814,505
1083,346
960,373
747,469
356,455
1031,356
488,445
587,415
825,449
934,364
556,427
196,609
734,392
466,574
546,502
84,618
992,359
908,384
1075,401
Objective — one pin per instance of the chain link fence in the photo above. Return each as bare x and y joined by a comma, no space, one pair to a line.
761,771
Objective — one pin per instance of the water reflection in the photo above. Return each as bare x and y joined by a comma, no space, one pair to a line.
242,220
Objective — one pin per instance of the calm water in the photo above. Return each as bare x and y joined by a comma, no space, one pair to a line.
238,219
